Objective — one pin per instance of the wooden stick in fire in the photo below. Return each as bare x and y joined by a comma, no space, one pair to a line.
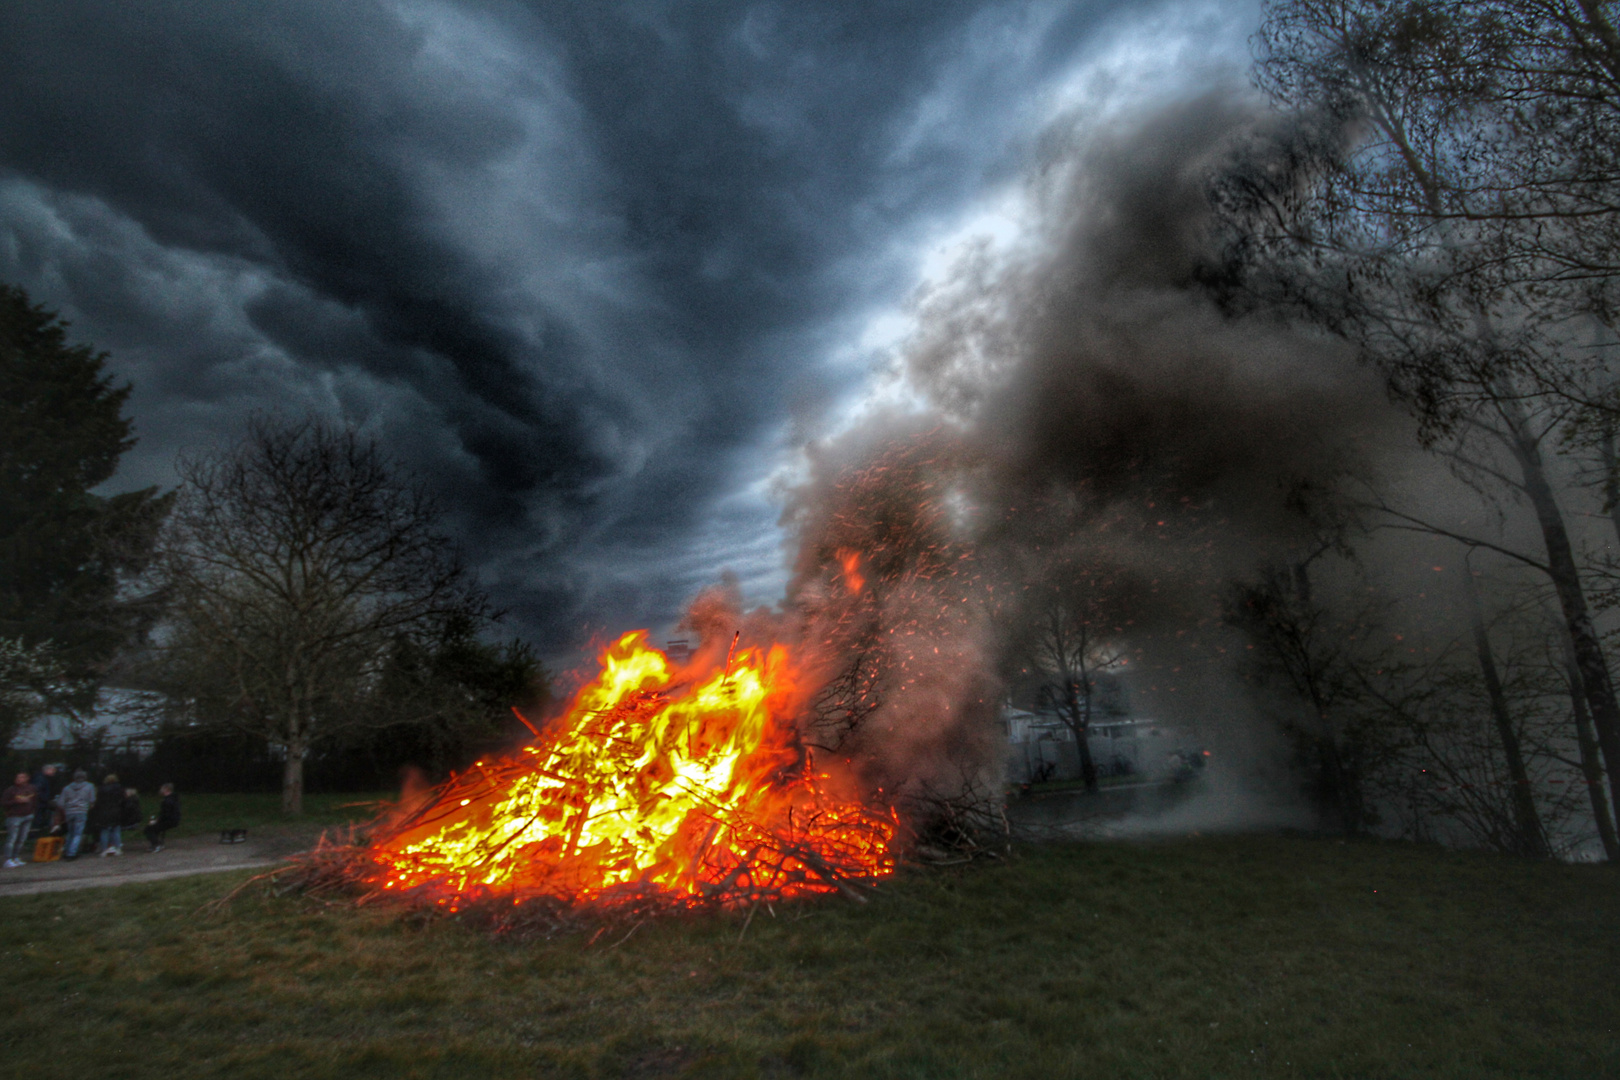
729,654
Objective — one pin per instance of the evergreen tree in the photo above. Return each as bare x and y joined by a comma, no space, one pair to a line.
66,553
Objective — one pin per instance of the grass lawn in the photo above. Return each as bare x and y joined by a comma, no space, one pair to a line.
1194,958
1053,787
205,814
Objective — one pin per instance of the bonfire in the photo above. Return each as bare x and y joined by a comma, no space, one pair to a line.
662,786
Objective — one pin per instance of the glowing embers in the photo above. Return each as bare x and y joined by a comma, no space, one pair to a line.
688,783
850,562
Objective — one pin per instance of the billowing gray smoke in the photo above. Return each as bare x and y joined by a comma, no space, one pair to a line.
1099,372
1094,430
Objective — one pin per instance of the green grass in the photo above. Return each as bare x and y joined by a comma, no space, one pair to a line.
1195,958
1052,787
204,814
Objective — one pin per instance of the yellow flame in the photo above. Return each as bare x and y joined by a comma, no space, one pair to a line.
644,782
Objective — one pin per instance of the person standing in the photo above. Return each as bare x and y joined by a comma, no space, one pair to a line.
76,800
167,817
44,787
109,815
20,801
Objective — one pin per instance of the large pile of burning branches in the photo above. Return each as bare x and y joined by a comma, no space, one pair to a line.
662,787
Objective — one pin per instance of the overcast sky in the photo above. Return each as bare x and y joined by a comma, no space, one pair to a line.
596,269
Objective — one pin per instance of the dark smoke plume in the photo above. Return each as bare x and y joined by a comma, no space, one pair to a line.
1093,425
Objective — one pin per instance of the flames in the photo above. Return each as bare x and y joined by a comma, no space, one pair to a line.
685,783
850,562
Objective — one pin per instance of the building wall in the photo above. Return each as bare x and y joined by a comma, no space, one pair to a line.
122,720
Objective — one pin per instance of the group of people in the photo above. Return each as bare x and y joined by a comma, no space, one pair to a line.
36,806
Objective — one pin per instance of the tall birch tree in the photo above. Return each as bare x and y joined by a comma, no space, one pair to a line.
1419,201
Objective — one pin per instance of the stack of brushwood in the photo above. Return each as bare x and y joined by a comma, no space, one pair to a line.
957,826
814,853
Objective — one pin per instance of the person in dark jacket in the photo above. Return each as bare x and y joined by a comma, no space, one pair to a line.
20,801
167,817
45,787
130,812
108,815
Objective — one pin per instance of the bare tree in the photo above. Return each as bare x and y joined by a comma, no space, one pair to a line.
1484,760
296,562
1302,646
1591,760
1456,736
1530,838
1408,207
1072,648
1543,85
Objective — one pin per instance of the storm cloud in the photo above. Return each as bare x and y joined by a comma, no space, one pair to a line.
585,267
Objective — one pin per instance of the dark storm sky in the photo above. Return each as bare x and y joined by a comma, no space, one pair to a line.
594,268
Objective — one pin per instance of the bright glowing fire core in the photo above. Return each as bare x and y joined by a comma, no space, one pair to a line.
685,782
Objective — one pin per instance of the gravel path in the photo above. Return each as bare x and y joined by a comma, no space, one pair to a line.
183,856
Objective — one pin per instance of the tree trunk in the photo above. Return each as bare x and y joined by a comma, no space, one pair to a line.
1088,767
1532,836
1591,764
1611,477
1334,776
1561,568
1080,724
292,779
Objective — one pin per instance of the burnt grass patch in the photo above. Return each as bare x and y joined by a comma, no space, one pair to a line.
1203,957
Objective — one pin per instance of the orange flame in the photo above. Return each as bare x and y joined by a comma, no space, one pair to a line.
851,562
683,782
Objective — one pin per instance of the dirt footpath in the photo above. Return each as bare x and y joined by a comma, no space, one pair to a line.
181,857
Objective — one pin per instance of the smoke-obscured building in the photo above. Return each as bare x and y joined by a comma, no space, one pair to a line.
1041,747
122,722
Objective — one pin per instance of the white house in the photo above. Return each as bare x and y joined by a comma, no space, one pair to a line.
123,719
1042,747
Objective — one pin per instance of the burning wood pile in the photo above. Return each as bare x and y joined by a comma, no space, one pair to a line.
661,788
